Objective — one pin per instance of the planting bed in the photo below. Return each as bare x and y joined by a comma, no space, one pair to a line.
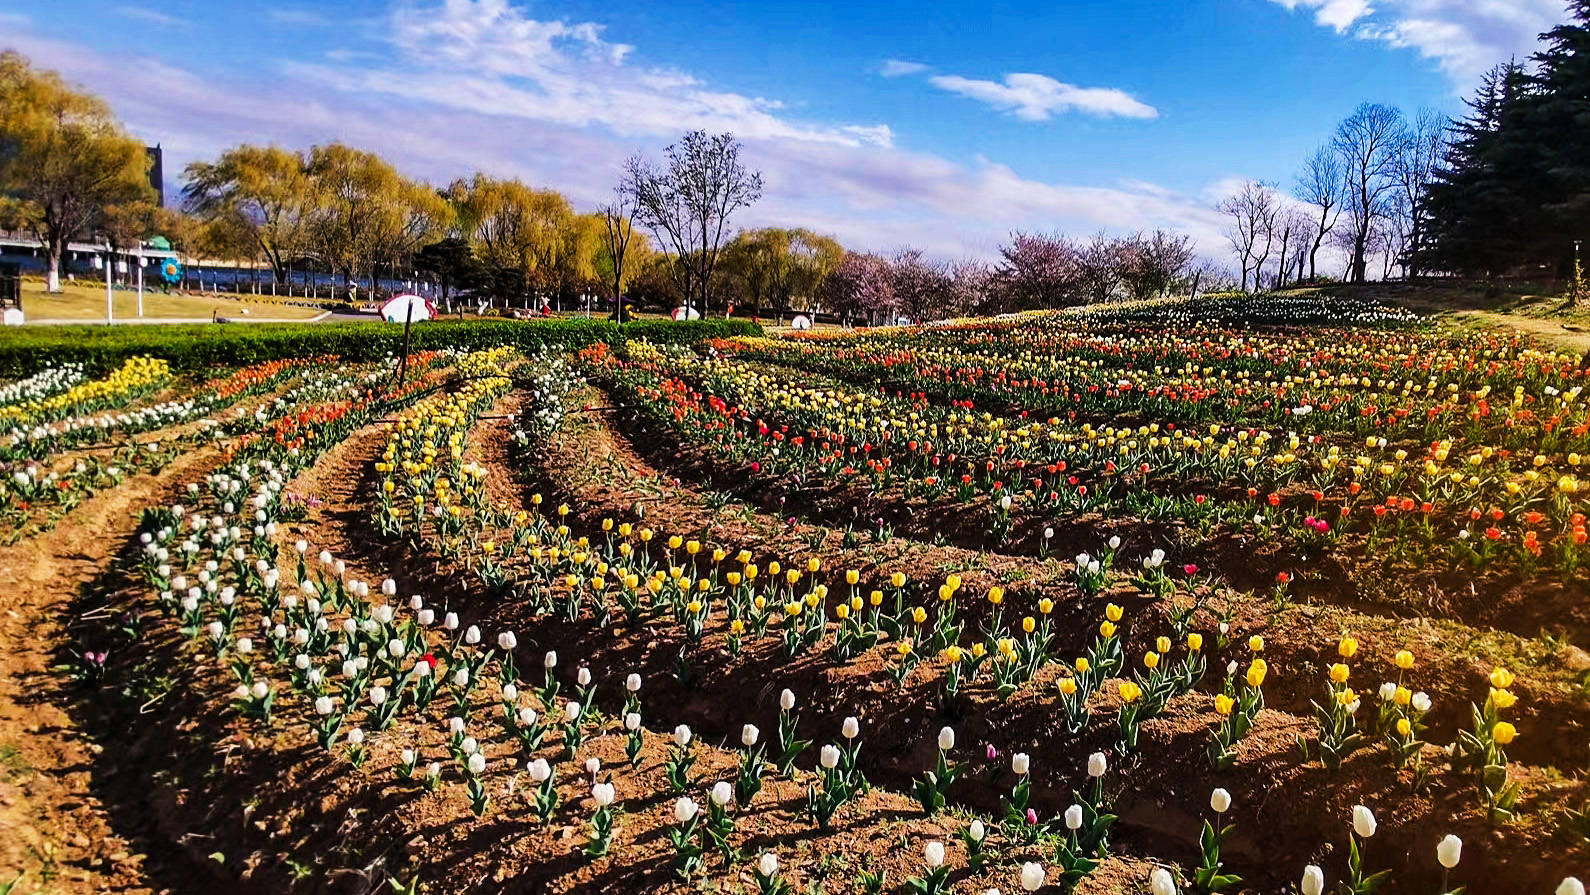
1165,598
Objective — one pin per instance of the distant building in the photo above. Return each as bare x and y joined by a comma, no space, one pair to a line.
157,173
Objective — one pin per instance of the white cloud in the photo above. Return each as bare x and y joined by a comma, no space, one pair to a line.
564,113
1032,97
152,16
895,68
1462,37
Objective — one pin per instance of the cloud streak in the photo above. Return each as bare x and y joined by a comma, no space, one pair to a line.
1463,38
1033,97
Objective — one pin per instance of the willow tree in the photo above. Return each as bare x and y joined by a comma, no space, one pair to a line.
63,158
266,190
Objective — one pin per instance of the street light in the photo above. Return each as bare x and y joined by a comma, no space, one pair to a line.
140,278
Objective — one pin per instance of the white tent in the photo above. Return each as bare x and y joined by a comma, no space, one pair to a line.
686,314
801,321
397,309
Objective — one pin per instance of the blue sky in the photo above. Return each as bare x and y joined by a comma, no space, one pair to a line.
940,125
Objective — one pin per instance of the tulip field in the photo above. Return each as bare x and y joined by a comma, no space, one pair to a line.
1235,595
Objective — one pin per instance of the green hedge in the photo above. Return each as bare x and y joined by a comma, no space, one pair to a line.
25,350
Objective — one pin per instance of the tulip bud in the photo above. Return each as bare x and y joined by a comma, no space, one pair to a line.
851,728
1449,851
1097,765
682,736
976,831
1074,817
722,793
1313,880
571,712
1160,882
749,735
632,683
1570,886
550,661
946,739
1363,822
1019,763
507,642
828,757
1220,800
632,721
933,855
786,700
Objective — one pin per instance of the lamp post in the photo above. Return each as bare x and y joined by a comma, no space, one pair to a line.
110,308
140,279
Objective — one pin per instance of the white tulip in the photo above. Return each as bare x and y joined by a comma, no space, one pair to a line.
685,809
510,693
323,705
469,746
1032,876
593,766
682,736
1074,817
828,756
477,763
767,865
946,739
1570,886
1388,690
602,794
583,677
933,855
450,621
749,735
377,695
455,724
1363,822
1220,800
571,712
722,793
1097,764
472,635
406,756
527,717
1421,701
1313,880
507,641
632,721
550,661
632,683
540,771
851,728
356,736
1160,882
786,700
1019,763
1449,851
976,831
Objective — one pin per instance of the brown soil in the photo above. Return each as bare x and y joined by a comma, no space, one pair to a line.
54,828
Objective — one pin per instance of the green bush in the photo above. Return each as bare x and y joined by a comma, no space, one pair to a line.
25,350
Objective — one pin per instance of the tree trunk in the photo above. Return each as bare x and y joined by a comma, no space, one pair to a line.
52,277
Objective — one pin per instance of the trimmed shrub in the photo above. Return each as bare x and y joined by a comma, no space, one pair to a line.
27,349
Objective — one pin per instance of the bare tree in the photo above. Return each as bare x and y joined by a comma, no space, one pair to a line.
1423,147
1252,210
1291,225
1153,263
1099,266
687,204
1369,143
618,217
1321,184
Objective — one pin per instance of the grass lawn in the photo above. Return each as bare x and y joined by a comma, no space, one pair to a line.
86,301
